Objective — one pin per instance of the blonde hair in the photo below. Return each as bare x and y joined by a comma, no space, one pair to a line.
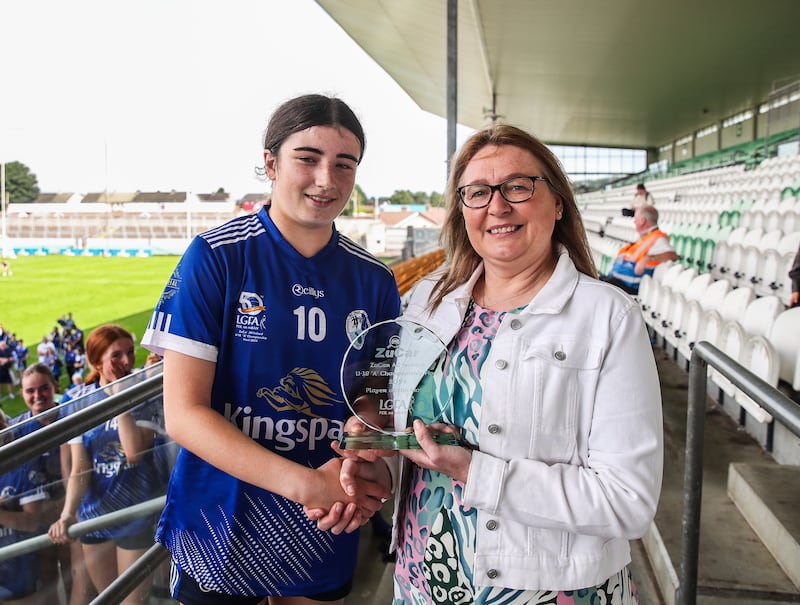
568,231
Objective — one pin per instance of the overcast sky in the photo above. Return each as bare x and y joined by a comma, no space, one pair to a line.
175,94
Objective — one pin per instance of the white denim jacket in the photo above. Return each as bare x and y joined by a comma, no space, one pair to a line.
570,461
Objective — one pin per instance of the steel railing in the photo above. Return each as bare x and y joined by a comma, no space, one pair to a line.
62,430
783,409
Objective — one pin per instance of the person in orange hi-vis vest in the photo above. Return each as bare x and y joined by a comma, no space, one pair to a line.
641,257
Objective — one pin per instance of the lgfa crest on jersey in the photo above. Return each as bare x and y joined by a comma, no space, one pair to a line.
251,318
356,323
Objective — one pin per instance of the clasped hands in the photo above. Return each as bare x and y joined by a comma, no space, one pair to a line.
365,472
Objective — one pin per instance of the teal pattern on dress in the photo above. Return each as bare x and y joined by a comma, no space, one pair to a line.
436,546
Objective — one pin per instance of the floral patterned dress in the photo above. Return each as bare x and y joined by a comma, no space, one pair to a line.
437,540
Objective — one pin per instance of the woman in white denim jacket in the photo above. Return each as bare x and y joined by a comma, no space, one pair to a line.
557,401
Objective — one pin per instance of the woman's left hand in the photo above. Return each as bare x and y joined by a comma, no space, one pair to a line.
452,460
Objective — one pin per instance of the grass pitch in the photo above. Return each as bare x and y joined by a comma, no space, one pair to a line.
96,290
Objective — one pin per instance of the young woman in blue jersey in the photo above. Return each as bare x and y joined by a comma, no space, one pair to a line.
38,387
253,325
112,468
23,504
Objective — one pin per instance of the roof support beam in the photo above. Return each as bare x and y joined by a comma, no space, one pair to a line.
452,79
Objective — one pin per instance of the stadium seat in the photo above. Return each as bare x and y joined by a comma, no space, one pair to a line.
698,286
731,340
676,329
683,280
771,274
760,314
719,262
692,327
761,358
735,270
784,336
711,299
735,302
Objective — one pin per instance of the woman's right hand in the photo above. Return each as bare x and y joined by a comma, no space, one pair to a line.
58,530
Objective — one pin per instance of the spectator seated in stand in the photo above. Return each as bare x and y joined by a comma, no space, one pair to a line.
642,198
641,257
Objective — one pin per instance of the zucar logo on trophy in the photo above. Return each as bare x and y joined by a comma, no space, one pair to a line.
251,318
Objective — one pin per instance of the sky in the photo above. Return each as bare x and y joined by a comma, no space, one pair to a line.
161,95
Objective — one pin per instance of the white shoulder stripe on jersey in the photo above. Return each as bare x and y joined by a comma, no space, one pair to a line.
235,233
234,223
158,342
356,250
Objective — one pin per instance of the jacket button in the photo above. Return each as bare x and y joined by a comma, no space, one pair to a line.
516,324
492,573
491,525
501,364
493,429
560,355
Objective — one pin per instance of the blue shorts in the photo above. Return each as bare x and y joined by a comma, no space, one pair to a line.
19,577
187,591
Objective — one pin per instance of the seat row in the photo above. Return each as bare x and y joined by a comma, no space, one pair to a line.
683,307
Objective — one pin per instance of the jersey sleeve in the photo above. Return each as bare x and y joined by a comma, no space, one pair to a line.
188,316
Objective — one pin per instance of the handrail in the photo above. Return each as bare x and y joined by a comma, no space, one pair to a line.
76,530
143,567
62,430
782,408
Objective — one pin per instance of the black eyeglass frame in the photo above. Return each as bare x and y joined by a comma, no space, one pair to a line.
499,188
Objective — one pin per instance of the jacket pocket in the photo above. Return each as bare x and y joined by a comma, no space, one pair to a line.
564,379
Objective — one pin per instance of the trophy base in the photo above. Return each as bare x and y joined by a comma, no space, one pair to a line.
392,441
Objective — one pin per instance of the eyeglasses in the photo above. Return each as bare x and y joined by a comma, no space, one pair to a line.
514,190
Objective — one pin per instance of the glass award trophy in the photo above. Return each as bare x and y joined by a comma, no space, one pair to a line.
392,373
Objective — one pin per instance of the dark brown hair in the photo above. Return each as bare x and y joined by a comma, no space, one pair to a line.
304,112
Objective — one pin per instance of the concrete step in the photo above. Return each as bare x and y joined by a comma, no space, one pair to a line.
768,497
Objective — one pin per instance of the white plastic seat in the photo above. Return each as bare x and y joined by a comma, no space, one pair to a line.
737,235
662,322
698,286
648,294
770,239
671,274
770,278
760,314
676,330
661,269
789,243
683,279
752,237
735,302
784,337
773,220
784,291
760,357
711,299
719,261
692,328
748,267
735,272
732,339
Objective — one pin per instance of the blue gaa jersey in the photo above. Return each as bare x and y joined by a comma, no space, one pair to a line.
277,325
19,576
115,483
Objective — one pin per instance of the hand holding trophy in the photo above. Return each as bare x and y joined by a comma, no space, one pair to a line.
392,373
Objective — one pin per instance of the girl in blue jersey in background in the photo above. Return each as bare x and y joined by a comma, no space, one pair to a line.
253,325
38,387
111,469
